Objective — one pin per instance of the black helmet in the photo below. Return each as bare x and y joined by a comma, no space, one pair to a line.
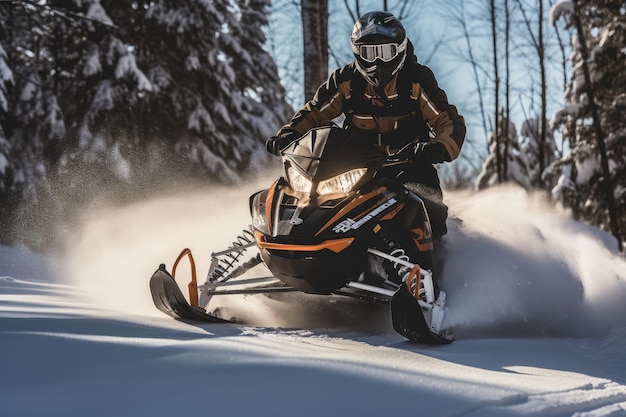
379,45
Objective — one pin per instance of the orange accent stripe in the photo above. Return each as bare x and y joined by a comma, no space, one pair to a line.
422,240
422,247
351,205
392,213
419,233
268,205
378,203
335,245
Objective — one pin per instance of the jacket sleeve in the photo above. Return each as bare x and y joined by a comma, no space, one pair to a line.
447,124
326,105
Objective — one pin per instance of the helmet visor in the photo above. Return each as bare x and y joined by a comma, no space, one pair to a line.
385,52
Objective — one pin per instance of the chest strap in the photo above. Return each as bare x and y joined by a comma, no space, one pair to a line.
411,125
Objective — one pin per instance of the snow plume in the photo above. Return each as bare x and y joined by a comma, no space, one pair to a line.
515,267
118,248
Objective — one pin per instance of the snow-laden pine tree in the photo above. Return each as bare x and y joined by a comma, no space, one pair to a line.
515,169
6,170
258,99
32,119
129,85
206,93
6,77
35,36
111,95
597,145
104,100
529,147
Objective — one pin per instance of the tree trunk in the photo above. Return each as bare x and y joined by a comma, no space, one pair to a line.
494,39
542,68
315,36
507,83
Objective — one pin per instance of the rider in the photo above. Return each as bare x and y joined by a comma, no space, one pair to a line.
394,102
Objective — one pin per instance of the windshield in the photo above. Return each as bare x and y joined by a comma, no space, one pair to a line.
324,153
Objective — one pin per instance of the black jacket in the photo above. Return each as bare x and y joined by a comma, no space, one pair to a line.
411,108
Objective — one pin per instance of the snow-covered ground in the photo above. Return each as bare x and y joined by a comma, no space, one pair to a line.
537,302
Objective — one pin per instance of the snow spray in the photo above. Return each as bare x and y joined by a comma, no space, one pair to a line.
517,267
118,248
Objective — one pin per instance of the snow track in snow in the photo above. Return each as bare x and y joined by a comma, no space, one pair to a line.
79,360
602,399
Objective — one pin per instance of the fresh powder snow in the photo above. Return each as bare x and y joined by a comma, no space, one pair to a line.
535,299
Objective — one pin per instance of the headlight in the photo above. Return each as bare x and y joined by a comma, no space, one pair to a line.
258,215
298,182
341,183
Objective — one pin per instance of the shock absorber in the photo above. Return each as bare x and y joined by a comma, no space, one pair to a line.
224,263
395,250
401,269
398,268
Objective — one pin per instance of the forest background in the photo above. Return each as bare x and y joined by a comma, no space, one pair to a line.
112,101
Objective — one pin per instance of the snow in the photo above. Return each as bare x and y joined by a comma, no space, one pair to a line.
537,301
120,165
561,115
200,120
4,163
96,12
562,8
30,89
93,65
6,77
126,65
54,119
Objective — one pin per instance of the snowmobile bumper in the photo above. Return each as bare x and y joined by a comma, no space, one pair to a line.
314,271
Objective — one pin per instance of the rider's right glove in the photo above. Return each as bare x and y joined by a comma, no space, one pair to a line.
277,143
427,152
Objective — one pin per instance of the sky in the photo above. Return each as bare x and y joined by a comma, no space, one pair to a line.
535,299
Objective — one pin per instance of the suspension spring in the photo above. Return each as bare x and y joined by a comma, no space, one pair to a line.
396,251
223,262
402,270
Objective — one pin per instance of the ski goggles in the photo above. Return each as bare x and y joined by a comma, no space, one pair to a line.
385,52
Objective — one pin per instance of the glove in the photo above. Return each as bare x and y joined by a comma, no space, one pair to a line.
427,153
277,143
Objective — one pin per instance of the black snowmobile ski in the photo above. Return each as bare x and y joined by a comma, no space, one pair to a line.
408,319
168,298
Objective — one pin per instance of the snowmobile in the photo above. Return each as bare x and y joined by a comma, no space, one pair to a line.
318,229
